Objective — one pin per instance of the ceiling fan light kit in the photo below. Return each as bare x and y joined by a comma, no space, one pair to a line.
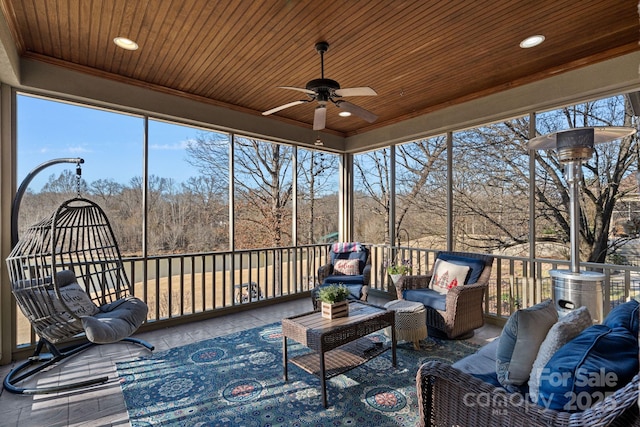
327,90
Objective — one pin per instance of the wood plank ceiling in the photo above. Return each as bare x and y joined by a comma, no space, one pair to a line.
418,55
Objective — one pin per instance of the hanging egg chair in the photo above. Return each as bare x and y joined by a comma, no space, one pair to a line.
68,279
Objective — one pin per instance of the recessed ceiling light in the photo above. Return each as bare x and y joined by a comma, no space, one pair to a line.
532,41
125,43
344,114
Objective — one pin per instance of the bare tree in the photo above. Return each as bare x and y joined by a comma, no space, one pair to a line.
315,172
373,183
262,182
417,164
264,188
420,185
491,185
497,190
67,183
209,225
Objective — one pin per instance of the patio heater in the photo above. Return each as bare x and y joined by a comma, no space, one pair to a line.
574,288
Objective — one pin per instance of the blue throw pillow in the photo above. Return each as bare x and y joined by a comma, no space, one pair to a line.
585,370
624,316
475,265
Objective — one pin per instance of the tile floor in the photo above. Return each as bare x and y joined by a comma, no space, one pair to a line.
103,405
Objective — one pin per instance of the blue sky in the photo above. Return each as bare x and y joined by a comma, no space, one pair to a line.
110,143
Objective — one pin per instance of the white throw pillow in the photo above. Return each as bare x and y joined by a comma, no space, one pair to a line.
566,328
76,299
447,275
347,267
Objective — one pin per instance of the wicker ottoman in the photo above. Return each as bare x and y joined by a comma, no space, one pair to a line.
411,321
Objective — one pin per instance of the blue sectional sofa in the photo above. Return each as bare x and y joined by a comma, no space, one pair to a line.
589,380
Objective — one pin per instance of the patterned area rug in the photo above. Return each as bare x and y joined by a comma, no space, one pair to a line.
236,380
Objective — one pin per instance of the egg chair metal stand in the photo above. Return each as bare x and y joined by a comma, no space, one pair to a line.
69,281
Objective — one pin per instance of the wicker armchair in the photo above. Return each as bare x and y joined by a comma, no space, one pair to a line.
463,310
358,284
450,397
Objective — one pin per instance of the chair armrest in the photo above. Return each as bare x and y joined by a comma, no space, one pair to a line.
464,308
447,396
366,275
415,282
323,272
465,291
365,293
412,282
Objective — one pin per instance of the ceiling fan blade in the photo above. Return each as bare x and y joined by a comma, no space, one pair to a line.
299,89
320,117
356,91
282,107
358,111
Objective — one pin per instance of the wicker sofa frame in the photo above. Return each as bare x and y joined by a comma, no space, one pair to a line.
449,397
464,309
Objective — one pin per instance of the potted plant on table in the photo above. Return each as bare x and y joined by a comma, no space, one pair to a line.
333,300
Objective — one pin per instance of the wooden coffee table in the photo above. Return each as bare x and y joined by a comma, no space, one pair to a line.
338,345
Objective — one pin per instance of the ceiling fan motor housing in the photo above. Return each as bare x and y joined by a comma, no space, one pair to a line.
320,84
324,89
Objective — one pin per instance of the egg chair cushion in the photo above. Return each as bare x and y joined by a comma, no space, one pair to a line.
115,321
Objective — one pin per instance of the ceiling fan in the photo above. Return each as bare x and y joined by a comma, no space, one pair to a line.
325,90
